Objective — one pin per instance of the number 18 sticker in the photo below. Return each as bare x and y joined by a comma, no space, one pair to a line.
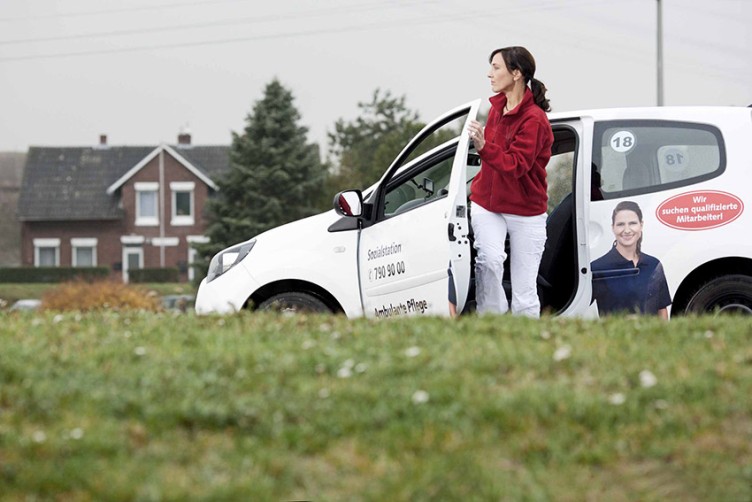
673,158
622,141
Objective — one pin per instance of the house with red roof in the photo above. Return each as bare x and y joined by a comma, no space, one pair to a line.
122,207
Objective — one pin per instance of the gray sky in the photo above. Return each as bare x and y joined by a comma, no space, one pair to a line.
139,70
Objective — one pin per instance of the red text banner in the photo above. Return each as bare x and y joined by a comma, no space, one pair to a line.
699,210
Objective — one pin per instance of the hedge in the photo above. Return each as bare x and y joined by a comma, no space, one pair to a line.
51,274
142,275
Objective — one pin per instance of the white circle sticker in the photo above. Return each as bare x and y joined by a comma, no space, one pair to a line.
622,141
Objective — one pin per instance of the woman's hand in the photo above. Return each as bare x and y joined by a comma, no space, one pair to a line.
475,131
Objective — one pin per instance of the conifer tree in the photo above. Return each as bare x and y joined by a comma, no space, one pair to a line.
275,175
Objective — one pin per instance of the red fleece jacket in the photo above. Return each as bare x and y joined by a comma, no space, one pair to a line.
512,177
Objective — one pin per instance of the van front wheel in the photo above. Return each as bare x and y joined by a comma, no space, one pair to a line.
294,302
727,294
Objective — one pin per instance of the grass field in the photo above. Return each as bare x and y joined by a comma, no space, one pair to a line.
259,407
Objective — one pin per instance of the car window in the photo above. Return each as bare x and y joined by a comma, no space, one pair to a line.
424,183
633,157
422,175
561,166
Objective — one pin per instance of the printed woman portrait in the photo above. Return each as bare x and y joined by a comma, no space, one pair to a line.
625,279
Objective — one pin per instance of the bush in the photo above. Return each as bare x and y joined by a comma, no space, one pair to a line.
100,295
142,275
51,274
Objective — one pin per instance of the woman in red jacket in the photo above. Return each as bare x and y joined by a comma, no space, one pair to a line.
509,193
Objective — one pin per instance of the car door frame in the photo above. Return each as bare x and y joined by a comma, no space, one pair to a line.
456,214
581,304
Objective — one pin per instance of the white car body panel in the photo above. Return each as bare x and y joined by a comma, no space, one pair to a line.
302,250
307,251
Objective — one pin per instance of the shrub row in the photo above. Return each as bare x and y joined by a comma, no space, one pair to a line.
51,274
154,275
64,274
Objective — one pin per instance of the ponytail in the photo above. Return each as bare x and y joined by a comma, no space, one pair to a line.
539,94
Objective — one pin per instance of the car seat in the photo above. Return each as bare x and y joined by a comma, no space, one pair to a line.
557,273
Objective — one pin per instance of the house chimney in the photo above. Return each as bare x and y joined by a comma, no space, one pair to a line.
102,140
184,136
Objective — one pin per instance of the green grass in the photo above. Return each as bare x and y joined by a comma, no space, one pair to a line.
10,292
259,407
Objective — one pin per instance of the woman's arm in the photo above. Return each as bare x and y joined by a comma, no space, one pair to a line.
518,158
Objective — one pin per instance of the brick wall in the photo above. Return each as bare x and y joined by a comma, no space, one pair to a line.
107,233
174,256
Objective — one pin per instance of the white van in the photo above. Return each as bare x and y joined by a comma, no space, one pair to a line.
386,251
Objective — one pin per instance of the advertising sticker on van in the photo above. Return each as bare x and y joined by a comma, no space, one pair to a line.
411,306
701,210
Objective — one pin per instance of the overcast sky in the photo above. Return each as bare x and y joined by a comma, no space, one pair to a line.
140,70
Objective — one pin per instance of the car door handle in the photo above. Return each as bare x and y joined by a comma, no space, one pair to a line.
450,231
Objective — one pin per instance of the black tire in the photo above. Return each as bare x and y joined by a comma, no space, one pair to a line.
727,294
294,303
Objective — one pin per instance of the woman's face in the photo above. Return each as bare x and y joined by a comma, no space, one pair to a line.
627,228
501,79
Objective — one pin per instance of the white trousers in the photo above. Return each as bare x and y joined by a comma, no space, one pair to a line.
527,236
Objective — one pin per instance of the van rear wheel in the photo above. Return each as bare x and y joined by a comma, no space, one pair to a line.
729,294
294,302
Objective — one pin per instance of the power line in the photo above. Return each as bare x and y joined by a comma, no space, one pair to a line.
226,22
476,16
119,11
548,4
285,35
610,48
453,16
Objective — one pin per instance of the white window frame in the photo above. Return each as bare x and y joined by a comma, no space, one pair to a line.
84,242
193,254
183,186
47,243
133,240
141,187
165,241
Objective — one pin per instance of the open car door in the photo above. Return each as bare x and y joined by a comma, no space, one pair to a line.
418,224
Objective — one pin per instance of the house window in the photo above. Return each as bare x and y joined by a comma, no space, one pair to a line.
46,252
147,195
84,252
182,203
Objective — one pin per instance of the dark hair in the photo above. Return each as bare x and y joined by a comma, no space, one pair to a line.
519,58
628,205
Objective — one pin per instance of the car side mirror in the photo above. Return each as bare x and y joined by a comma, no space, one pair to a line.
349,203
428,186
